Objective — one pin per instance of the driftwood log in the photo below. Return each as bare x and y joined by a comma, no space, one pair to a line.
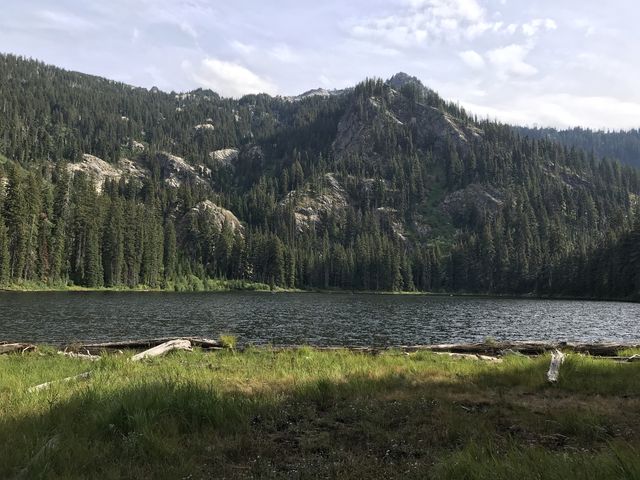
157,351
96,348
557,359
44,386
16,347
163,349
470,356
82,356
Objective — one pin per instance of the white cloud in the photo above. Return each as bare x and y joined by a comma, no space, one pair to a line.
243,48
465,10
187,28
418,22
510,60
563,111
64,21
427,20
511,28
532,27
284,54
227,78
472,59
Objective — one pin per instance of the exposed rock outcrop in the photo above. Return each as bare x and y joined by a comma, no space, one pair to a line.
176,170
482,197
310,206
101,171
208,212
225,157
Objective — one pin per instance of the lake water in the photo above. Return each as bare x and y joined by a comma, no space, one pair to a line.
309,318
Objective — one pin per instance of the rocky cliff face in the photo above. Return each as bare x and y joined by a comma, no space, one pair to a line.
176,170
309,206
100,171
207,212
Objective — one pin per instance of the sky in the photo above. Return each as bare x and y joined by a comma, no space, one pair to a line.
560,63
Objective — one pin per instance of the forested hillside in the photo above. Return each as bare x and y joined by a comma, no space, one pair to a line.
623,146
384,186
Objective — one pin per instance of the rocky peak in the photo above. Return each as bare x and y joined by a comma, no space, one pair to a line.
401,79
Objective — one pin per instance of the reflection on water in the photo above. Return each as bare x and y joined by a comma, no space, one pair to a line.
309,318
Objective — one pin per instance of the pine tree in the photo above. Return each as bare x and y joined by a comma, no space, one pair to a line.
4,253
170,249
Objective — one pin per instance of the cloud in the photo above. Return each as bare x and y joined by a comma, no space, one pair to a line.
284,54
64,21
227,78
472,59
187,28
532,27
510,60
563,111
420,21
243,48
465,10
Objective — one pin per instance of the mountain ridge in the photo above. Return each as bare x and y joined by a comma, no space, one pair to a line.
375,188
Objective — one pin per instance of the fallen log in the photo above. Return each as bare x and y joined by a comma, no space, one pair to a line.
163,349
94,348
599,349
82,356
470,356
16,347
44,386
557,358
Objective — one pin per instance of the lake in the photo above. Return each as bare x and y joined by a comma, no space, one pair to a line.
310,318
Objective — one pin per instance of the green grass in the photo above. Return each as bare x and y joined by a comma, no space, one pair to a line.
310,414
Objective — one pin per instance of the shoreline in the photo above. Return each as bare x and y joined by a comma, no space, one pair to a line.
259,288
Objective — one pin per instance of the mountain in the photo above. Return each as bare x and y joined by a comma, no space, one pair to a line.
383,186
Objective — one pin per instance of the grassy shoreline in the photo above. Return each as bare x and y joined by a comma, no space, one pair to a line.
318,414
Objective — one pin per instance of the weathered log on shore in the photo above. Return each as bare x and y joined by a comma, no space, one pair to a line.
557,359
96,348
163,349
82,356
16,347
44,386
470,356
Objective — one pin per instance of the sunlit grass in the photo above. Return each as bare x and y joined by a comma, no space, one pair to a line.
316,414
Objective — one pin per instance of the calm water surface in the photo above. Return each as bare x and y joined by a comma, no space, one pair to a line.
316,319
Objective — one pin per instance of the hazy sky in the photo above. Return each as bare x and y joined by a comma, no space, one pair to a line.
548,62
